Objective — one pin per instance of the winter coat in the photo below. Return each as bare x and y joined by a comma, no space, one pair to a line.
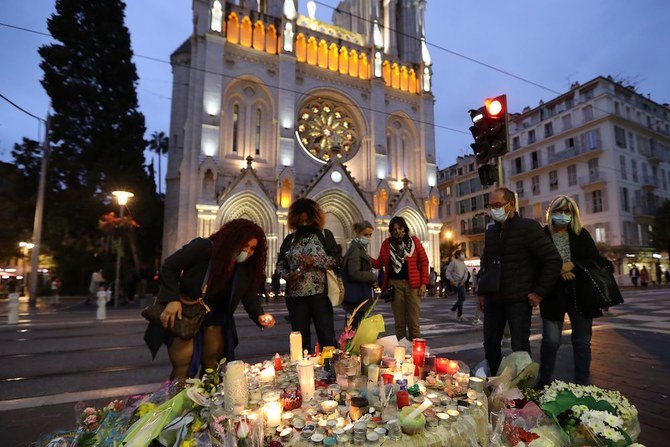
417,264
563,295
357,274
529,260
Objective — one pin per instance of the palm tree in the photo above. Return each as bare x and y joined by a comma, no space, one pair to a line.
159,144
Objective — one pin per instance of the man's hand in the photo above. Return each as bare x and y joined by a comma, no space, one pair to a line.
568,276
567,267
480,303
266,320
422,291
171,313
534,299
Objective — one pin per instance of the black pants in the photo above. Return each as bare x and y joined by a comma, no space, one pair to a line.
317,308
496,315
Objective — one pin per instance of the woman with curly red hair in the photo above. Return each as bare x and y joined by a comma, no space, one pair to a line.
235,258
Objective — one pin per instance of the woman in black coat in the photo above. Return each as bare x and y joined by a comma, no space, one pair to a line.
232,263
575,245
357,274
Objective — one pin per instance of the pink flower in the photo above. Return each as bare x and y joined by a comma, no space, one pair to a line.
88,411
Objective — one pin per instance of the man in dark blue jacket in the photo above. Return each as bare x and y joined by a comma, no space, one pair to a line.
520,265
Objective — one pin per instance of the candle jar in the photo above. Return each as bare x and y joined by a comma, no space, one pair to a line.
291,399
371,353
254,392
419,351
441,365
358,407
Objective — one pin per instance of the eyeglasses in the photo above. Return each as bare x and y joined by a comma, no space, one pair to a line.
496,205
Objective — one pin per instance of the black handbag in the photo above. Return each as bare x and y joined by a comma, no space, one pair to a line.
193,313
388,294
598,288
489,279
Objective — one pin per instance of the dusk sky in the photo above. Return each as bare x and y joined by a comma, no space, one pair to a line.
549,43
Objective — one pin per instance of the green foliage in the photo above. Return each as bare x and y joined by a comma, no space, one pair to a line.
565,400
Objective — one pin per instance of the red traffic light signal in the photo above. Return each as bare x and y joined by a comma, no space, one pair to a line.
495,107
489,129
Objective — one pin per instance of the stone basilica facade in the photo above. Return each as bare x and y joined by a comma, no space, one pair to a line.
269,105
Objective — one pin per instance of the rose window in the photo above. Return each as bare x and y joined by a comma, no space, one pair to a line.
326,130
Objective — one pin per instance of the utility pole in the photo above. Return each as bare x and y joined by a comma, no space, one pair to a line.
37,225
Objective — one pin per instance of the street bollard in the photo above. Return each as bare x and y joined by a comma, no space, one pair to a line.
13,316
102,305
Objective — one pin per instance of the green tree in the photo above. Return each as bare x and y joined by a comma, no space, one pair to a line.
660,233
159,144
97,137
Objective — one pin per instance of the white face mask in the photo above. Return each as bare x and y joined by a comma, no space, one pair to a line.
499,214
243,256
461,257
363,240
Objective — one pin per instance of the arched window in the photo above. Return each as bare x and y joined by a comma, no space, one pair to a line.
246,32
236,124
332,57
259,36
300,48
233,28
353,63
311,51
257,144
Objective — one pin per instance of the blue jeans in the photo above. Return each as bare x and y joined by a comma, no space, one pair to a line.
496,315
581,347
460,292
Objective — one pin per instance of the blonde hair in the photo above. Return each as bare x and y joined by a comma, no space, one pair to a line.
560,202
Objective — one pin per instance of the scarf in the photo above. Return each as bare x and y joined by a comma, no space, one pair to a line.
399,250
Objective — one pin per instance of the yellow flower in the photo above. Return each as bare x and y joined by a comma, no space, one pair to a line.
188,443
197,425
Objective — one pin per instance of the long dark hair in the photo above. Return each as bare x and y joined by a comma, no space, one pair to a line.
313,210
229,241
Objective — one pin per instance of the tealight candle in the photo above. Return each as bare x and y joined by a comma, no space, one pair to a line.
373,373
267,375
399,355
295,344
272,411
452,367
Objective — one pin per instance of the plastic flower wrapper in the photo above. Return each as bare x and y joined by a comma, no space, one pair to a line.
149,427
177,432
516,370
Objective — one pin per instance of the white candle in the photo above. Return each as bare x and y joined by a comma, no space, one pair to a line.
408,367
295,343
237,388
373,373
423,407
399,355
267,374
306,379
409,377
272,411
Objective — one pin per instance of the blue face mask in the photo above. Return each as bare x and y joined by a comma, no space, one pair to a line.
363,240
561,219
499,214
243,256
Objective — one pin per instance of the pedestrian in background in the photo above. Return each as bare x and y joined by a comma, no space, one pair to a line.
575,245
644,276
405,265
357,274
96,281
457,274
634,274
432,282
303,259
520,265
55,290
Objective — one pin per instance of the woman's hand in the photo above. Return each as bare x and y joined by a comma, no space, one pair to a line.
266,320
422,291
292,277
171,313
568,276
567,267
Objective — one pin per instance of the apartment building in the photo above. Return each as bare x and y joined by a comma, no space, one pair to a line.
603,144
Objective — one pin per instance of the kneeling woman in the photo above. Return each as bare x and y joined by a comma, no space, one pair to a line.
232,263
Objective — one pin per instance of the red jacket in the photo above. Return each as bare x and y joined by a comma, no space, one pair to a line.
417,264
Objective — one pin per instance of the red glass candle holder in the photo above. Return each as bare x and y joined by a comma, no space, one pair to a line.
419,352
441,365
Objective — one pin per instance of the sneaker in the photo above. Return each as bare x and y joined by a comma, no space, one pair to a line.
454,315
477,322
459,319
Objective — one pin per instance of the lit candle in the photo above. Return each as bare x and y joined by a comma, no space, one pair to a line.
399,355
306,379
409,377
237,387
407,367
267,374
295,342
441,365
373,373
452,367
272,412
419,351
477,384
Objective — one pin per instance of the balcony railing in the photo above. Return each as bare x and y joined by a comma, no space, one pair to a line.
594,177
649,181
644,211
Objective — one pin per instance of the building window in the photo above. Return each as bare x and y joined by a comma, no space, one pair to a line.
620,136
519,188
596,201
617,108
535,182
515,143
471,167
575,197
551,150
531,136
633,169
535,160
257,145
622,164
236,125
587,113
548,129
518,165
572,175
570,143
460,171
592,138
567,122
600,234
553,180
593,168
625,204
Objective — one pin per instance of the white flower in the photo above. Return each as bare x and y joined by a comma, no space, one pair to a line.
243,430
613,421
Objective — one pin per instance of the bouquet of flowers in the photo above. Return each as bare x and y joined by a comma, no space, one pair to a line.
591,415
347,335
367,331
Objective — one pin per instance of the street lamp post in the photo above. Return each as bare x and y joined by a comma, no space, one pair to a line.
122,198
25,248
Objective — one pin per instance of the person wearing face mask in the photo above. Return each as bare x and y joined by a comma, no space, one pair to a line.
357,274
405,265
575,244
232,263
457,274
519,266
303,259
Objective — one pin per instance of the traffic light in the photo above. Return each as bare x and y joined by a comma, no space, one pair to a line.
489,129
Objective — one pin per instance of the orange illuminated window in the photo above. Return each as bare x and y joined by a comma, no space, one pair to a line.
344,61
404,79
311,51
386,72
332,57
412,81
395,76
233,28
323,54
245,32
259,36
363,67
383,197
353,63
271,40
300,48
